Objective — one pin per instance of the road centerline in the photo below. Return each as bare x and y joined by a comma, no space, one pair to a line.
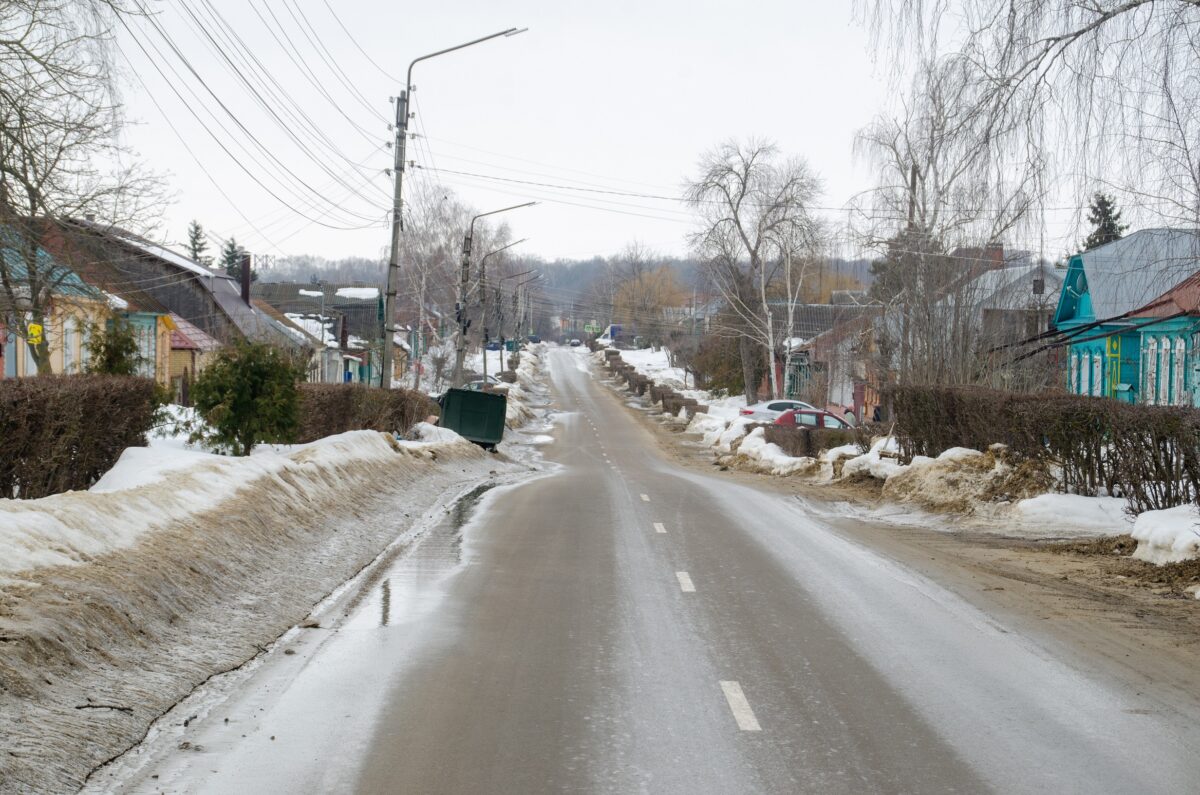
659,527
685,582
645,498
740,707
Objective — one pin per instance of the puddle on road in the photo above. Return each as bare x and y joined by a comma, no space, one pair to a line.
404,589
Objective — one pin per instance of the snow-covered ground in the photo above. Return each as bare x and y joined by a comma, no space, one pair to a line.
178,563
959,480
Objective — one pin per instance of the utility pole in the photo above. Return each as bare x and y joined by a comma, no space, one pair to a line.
401,127
460,352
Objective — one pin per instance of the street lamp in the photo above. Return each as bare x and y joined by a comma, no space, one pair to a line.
483,302
465,276
393,278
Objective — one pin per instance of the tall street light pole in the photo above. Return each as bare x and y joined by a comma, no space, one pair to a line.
401,127
483,302
460,352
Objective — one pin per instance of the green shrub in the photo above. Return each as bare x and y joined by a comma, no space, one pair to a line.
113,348
248,395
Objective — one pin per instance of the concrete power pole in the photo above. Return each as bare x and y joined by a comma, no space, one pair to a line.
393,277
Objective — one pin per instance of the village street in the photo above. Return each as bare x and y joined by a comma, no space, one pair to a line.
621,623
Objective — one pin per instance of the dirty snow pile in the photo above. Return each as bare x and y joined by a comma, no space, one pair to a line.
529,391
117,601
985,484
1168,536
656,365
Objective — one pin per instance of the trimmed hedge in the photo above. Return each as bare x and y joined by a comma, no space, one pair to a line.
61,433
328,409
808,442
1148,454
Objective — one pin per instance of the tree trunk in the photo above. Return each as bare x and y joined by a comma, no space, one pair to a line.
746,354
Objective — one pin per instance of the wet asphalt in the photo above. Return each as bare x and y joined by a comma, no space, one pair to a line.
622,624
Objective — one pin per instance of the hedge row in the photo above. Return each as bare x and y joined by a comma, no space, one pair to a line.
801,442
326,409
59,433
1148,454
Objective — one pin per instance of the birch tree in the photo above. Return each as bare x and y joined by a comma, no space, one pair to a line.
59,155
749,198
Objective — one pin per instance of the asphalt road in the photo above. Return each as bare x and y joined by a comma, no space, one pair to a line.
627,625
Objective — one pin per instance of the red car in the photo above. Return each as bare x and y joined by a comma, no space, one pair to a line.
815,418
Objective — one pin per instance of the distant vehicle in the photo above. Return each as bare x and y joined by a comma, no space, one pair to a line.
478,384
769,410
494,345
534,338
575,343
817,418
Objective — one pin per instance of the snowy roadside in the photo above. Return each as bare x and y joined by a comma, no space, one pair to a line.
984,486
178,565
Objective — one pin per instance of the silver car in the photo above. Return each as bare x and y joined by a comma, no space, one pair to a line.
769,410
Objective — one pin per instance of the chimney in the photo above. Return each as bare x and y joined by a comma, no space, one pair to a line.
246,278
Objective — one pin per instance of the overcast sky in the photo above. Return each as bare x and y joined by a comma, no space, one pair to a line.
618,95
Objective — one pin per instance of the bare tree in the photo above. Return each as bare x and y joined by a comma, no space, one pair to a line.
1112,89
749,199
59,154
950,188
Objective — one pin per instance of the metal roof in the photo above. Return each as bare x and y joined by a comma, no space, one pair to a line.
1128,273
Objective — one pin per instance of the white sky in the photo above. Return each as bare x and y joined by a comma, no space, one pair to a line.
618,95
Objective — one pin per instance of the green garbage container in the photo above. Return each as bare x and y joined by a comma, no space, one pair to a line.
477,416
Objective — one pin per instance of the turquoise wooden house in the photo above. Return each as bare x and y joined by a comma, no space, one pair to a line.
1127,337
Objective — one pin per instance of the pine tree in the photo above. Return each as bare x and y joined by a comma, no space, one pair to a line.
113,348
249,394
1105,219
231,260
196,244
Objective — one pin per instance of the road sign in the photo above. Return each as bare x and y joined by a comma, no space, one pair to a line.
592,328
35,333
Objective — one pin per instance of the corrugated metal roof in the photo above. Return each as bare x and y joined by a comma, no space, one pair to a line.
1129,273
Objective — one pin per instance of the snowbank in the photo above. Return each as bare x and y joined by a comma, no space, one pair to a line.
1099,514
1167,536
150,488
180,565
873,462
763,456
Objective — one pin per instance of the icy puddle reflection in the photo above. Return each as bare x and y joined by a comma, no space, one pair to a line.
405,587
269,727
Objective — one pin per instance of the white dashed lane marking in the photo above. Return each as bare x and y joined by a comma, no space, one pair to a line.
685,582
740,707
659,527
645,498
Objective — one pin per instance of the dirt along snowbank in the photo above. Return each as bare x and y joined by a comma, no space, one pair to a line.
117,602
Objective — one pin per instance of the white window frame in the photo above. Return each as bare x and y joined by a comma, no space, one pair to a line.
1150,370
1097,374
1073,376
1180,370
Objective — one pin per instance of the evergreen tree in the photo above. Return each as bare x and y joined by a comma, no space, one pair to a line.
196,244
248,395
231,260
113,348
1105,219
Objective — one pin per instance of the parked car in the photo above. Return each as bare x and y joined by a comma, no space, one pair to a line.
575,343
801,418
534,338
494,345
479,383
769,410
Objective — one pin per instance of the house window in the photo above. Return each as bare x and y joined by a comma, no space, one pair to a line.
70,345
1073,376
1150,371
1179,367
145,340
1097,375
1164,371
